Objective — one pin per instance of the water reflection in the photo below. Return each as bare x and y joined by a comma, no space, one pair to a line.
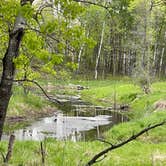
75,124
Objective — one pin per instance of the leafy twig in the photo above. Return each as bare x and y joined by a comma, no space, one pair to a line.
104,141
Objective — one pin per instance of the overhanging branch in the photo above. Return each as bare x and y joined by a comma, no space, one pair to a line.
40,87
50,36
92,3
112,147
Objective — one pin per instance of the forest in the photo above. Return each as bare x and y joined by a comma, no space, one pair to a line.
82,82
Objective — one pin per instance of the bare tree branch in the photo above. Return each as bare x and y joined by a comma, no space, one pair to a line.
92,3
41,8
112,147
50,36
23,2
10,148
43,153
158,3
40,87
104,141
42,34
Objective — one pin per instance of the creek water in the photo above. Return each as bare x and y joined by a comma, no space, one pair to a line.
76,122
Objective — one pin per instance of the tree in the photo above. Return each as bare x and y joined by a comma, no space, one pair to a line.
118,38
15,37
133,39
44,41
147,41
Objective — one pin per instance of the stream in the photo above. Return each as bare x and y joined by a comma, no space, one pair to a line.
76,121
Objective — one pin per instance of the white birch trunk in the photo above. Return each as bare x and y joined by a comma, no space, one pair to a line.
161,60
154,58
79,58
124,62
99,51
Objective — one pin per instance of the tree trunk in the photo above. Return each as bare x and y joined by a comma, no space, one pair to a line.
79,58
144,44
124,62
154,58
99,51
161,61
15,37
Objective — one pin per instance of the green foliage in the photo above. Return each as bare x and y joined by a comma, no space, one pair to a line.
148,144
34,48
49,27
22,64
120,11
33,41
8,10
72,66
20,103
57,59
142,78
21,61
63,75
93,20
75,35
105,94
71,9
27,11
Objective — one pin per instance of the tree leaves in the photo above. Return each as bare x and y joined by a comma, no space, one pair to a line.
71,9
49,26
27,11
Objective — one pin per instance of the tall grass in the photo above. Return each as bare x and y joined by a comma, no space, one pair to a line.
140,152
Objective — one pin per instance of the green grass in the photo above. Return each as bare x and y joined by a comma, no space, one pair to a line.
63,86
58,153
145,103
20,103
10,127
159,86
136,154
123,92
124,130
23,109
140,152
126,93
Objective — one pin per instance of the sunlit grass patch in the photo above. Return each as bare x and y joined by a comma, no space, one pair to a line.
70,153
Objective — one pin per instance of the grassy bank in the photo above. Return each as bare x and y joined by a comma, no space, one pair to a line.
25,108
137,153
125,92
147,150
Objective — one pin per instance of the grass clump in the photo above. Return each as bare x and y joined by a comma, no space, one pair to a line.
124,93
24,108
141,152
70,153
127,129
